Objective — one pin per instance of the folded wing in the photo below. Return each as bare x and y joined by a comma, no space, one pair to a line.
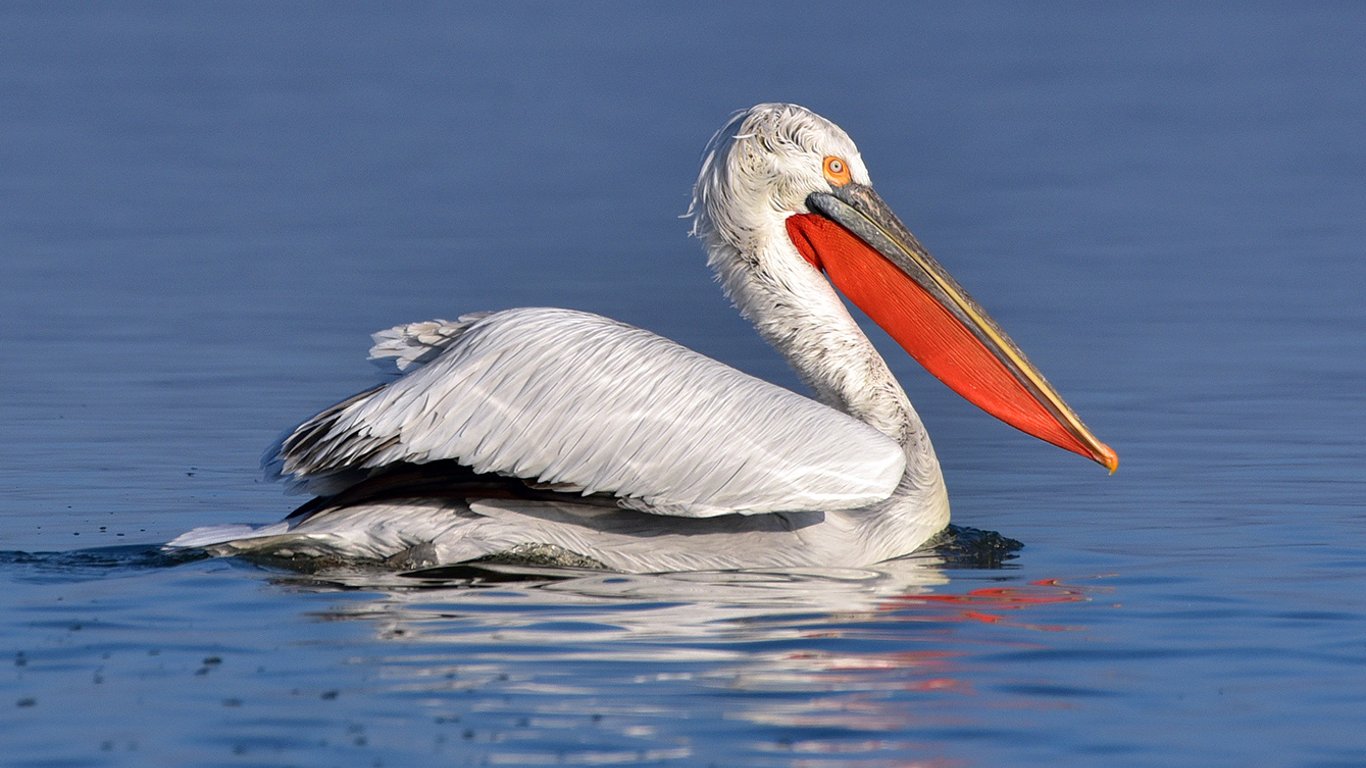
583,403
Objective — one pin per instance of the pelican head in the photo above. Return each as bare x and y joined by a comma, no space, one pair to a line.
761,167
784,195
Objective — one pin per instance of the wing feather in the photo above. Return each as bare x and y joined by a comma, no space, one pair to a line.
573,400
415,344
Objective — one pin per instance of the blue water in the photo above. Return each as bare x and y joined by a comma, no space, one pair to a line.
205,209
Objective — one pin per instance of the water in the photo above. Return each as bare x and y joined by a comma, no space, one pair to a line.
205,209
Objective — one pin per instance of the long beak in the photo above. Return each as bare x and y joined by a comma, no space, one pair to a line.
874,260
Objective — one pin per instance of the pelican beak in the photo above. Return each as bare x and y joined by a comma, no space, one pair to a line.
872,258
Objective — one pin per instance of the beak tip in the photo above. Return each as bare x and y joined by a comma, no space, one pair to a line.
1107,458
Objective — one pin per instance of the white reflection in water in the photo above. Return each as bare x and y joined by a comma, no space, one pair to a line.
841,665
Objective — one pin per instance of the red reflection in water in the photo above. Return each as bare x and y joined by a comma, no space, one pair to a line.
924,671
986,605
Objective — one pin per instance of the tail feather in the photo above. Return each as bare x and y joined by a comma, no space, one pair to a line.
216,535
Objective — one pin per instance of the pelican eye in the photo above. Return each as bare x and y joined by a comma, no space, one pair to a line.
836,170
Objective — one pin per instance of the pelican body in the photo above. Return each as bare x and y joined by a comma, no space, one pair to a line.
562,437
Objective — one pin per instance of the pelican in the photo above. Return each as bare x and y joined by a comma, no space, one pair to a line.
562,437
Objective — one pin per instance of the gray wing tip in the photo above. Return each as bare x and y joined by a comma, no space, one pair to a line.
320,455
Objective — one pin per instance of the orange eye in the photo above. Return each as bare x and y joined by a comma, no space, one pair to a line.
837,171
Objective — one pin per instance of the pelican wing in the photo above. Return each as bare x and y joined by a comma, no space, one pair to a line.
579,402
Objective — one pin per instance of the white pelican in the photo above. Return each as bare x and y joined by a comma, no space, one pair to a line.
560,436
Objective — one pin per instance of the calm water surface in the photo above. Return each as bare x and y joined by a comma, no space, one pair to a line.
205,209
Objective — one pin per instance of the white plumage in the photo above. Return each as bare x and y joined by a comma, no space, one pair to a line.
554,435
589,405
